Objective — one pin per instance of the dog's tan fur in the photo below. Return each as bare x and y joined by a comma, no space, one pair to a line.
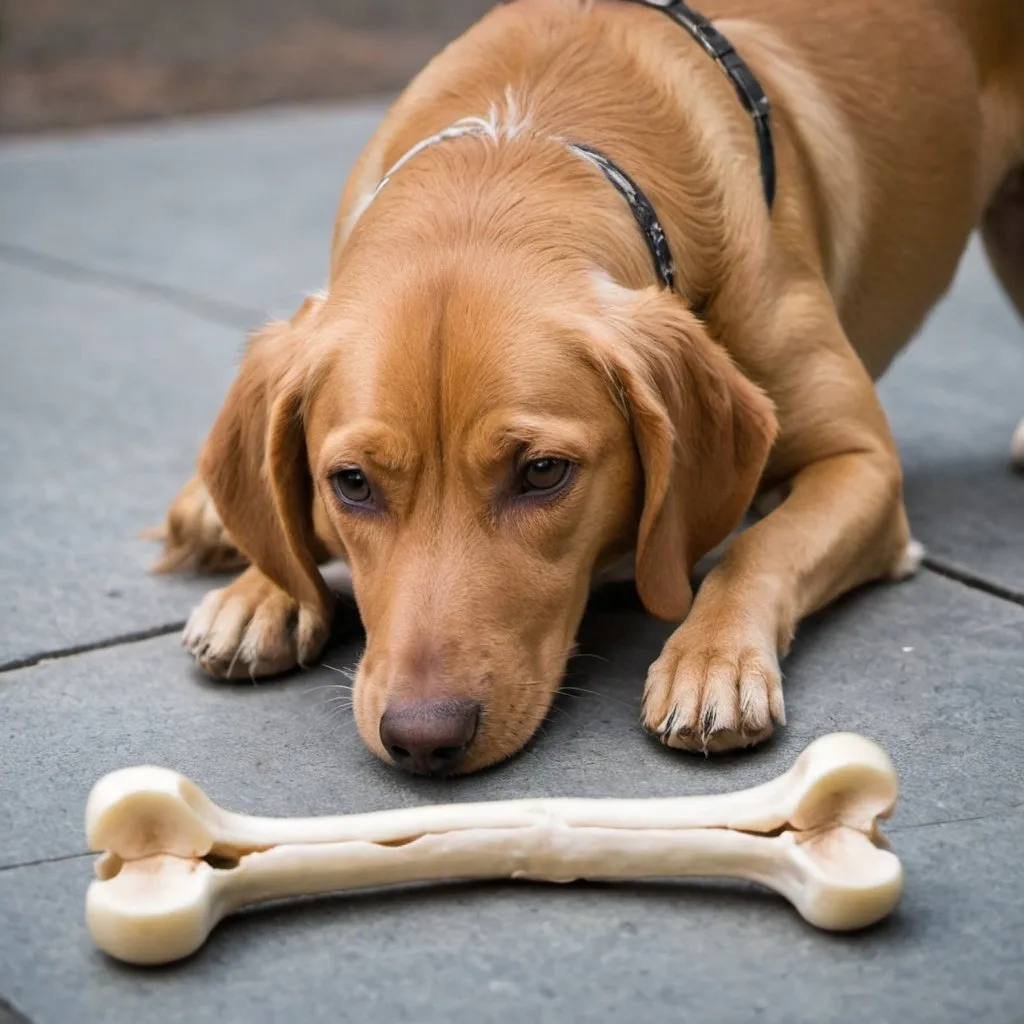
496,298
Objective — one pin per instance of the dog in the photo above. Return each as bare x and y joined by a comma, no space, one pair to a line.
590,294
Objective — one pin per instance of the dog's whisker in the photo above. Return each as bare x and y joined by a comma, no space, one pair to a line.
336,698
348,673
578,692
328,686
587,654
335,705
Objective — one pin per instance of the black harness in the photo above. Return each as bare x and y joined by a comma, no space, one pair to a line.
642,209
744,81
751,95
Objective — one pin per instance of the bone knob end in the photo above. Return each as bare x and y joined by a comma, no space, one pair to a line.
153,911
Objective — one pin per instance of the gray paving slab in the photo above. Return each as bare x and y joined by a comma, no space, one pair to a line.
104,399
954,399
239,208
931,669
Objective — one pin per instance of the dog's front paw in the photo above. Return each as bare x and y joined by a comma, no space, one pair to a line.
713,695
253,628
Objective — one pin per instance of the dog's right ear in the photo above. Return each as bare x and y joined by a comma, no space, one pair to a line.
254,462
703,433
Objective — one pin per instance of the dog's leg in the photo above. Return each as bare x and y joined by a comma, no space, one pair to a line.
194,537
1002,230
717,684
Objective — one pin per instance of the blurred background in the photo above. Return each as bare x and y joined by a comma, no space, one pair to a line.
77,63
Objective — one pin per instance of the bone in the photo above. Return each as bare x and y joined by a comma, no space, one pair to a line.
842,779
156,899
163,908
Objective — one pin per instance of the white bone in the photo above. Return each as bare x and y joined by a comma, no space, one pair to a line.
156,900
163,908
839,779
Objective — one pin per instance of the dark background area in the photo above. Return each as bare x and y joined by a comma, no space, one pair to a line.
75,63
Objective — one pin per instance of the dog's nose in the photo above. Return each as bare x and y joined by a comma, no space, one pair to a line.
429,738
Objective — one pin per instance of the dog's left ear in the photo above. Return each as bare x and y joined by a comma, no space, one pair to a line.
703,432
254,462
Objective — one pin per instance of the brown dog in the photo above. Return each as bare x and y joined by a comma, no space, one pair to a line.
497,399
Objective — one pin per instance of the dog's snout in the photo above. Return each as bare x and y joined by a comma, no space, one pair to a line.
429,738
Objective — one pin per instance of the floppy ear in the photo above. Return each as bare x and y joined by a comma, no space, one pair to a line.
703,432
255,466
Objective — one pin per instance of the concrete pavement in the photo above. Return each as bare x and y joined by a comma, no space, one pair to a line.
131,263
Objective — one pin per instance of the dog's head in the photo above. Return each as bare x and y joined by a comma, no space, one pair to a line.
479,437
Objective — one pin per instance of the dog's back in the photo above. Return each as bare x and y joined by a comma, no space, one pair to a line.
895,125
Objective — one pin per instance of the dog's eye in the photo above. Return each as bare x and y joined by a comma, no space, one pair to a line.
352,487
545,476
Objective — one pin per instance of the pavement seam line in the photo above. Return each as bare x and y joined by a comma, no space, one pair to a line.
47,860
227,314
94,645
949,570
969,578
10,1014
1013,808
940,568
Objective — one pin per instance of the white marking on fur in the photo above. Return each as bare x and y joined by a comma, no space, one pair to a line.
360,207
911,561
618,299
829,139
503,123
516,121
609,291
465,126
364,182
